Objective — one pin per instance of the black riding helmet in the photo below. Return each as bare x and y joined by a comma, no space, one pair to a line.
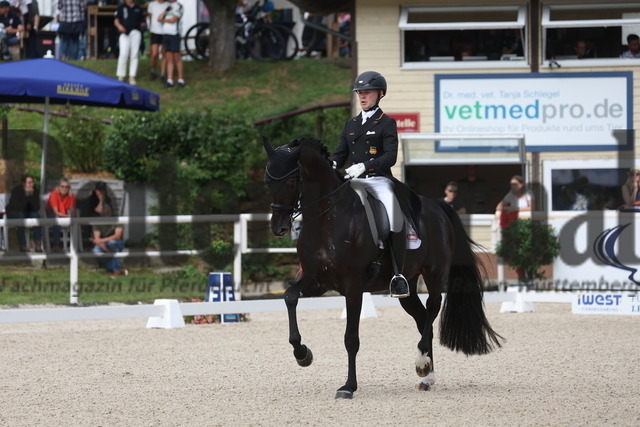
370,80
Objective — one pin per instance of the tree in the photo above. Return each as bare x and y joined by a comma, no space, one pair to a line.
222,38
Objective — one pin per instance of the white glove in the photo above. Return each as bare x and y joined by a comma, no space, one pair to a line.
356,170
334,164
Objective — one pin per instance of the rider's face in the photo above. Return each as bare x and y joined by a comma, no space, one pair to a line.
368,98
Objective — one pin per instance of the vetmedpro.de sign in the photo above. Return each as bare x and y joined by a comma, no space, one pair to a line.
555,112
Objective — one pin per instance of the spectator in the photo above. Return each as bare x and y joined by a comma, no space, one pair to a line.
633,45
130,22
518,199
344,27
630,193
474,191
512,42
9,34
582,50
99,201
25,203
154,9
109,238
61,204
72,23
450,198
171,40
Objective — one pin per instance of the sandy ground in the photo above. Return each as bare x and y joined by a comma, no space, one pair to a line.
555,369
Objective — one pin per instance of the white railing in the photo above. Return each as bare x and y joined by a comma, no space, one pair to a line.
240,239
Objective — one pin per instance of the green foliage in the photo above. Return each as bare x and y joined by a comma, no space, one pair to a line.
81,139
258,267
219,254
528,245
197,160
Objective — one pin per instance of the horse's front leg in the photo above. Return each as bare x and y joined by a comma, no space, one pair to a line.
352,344
303,355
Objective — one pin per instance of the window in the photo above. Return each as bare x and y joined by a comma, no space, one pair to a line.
586,33
451,36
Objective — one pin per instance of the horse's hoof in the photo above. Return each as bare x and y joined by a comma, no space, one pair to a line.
344,394
307,359
423,364
425,383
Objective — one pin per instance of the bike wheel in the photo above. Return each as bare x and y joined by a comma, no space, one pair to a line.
265,43
292,46
196,41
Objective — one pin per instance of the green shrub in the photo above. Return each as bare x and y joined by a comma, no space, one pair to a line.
527,245
81,139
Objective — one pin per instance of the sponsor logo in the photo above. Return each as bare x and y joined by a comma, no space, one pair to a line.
603,248
76,89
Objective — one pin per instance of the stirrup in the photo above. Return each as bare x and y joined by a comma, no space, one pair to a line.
398,286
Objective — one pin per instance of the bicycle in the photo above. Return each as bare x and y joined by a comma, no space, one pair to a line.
255,38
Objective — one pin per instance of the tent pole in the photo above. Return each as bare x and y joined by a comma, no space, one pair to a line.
45,137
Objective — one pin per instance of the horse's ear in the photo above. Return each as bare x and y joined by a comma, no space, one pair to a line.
267,146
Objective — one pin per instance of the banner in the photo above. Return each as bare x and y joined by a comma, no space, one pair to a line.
555,112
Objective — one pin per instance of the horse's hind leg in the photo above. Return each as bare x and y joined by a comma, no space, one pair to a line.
424,359
303,355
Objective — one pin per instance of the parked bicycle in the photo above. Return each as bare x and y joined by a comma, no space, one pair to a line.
256,37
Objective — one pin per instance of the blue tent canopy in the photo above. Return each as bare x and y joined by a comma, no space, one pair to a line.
49,81
34,80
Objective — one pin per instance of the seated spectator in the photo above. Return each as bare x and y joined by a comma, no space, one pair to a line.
450,193
633,45
630,193
9,30
518,199
25,203
582,50
61,204
106,238
109,238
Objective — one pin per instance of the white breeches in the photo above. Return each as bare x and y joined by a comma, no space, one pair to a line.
129,49
382,189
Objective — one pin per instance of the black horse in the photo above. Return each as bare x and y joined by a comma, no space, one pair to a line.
336,251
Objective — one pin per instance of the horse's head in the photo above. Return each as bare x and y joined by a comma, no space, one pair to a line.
282,176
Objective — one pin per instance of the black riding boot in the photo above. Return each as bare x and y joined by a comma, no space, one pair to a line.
398,286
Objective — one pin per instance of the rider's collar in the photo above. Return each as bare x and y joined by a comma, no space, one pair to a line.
369,113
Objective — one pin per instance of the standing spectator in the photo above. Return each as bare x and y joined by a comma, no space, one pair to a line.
518,199
154,9
25,203
61,204
633,44
72,23
9,36
171,40
474,191
630,193
450,198
32,26
130,21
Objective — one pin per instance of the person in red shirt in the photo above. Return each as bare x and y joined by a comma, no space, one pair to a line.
61,204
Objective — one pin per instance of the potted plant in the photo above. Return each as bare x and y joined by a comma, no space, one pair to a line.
526,246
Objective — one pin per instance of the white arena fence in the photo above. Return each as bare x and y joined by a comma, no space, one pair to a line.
240,240
168,313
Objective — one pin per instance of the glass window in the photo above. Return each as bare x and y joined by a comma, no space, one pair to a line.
432,35
588,31
587,189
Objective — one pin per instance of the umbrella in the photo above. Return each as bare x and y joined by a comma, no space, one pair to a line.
49,81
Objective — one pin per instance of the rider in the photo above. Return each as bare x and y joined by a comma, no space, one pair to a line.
371,141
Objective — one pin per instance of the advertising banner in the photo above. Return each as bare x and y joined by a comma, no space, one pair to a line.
555,112
599,251
606,303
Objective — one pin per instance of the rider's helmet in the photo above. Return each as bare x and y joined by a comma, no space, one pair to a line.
370,80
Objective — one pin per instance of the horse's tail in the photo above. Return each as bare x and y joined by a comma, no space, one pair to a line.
463,324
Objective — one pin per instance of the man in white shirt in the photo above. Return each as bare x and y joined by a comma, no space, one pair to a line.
170,19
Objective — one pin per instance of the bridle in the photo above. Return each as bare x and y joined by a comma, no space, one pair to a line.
292,210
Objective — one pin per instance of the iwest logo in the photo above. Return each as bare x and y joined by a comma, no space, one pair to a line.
603,248
599,299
